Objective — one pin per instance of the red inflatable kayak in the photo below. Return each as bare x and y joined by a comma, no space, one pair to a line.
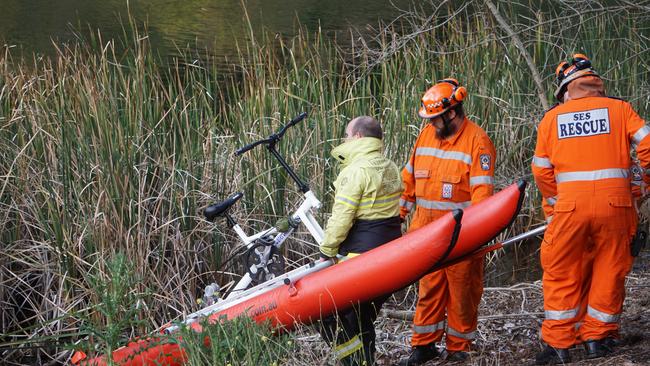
318,292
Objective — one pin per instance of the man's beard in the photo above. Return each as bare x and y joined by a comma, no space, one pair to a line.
447,130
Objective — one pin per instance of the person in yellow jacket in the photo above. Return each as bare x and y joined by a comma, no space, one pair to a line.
365,215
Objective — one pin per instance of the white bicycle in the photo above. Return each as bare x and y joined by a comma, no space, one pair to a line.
263,256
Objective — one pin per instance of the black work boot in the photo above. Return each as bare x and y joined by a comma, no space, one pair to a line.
456,356
599,348
420,355
552,356
611,342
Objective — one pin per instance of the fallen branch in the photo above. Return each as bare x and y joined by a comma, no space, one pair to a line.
408,315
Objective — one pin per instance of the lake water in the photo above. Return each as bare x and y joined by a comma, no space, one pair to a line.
32,25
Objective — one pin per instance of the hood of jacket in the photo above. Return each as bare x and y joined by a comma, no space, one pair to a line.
586,86
351,150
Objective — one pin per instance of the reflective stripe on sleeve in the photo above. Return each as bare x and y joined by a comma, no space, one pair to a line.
551,200
406,204
592,175
441,205
409,168
542,162
469,335
443,154
380,201
481,179
602,316
421,329
348,348
640,134
561,314
347,201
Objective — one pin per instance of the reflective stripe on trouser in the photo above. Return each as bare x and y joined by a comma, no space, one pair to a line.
344,350
352,332
451,332
456,291
593,226
430,328
588,260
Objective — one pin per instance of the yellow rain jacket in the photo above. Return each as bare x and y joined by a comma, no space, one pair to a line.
366,203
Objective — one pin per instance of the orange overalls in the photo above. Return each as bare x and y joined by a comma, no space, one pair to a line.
581,166
638,190
443,175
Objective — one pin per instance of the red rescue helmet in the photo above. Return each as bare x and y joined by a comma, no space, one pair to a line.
441,97
567,72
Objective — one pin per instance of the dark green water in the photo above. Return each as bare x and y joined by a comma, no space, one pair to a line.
33,25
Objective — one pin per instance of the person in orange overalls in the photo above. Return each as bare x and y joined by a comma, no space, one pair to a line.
582,168
580,89
451,166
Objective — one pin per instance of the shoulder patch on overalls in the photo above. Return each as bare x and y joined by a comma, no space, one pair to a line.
486,161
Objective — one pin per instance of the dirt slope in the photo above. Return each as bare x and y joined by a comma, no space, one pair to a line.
510,319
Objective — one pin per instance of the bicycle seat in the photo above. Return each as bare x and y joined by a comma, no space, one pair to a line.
217,209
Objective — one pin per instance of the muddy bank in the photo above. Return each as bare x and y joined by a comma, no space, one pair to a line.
508,331
510,319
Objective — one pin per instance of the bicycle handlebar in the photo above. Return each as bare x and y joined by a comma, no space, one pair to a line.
292,123
250,147
274,137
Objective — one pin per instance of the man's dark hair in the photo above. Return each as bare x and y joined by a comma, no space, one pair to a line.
367,127
460,111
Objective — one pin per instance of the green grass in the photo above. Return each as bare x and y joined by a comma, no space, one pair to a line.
237,342
118,308
105,152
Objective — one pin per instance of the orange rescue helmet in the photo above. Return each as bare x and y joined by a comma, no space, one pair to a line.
567,72
441,97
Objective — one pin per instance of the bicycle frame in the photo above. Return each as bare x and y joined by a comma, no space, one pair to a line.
304,214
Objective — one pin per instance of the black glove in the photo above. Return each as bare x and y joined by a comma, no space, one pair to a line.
638,242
